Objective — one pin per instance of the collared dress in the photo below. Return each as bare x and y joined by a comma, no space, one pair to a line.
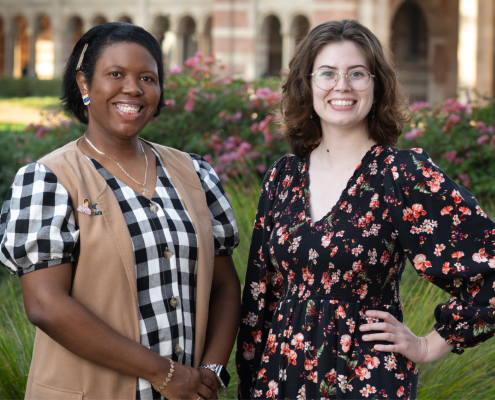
309,283
38,230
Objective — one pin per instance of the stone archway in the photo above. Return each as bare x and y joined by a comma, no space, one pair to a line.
410,46
187,38
20,47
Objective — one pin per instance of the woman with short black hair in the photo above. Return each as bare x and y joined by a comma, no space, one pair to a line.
336,222
123,246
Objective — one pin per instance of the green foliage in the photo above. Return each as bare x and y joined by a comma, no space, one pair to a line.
16,342
460,139
29,86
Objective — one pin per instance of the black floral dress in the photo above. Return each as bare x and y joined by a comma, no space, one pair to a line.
309,283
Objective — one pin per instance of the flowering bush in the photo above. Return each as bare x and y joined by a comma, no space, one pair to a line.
460,138
226,121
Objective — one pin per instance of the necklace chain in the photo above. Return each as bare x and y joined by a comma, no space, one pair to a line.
144,191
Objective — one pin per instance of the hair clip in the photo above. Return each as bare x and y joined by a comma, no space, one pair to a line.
81,58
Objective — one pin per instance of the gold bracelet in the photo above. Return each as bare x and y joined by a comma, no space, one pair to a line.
169,377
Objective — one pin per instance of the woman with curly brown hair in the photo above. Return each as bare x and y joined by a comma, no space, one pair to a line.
336,222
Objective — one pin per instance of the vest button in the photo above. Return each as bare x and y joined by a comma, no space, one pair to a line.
178,350
174,302
168,253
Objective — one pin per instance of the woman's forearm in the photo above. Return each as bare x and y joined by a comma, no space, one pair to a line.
436,347
224,313
76,328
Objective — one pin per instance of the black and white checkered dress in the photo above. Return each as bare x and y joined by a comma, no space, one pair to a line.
166,286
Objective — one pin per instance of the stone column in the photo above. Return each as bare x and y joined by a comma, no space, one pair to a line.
485,52
287,45
234,36
468,46
31,33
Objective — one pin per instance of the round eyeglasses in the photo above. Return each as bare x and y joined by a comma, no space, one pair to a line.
326,78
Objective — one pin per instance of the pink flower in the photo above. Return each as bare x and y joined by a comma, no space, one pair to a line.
483,139
414,133
191,62
170,102
450,155
208,158
419,105
210,60
176,70
261,168
451,122
189,105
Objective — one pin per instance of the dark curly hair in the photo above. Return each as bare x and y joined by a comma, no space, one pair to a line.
99,38
296,104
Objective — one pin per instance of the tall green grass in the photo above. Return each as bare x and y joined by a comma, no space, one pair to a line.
16,341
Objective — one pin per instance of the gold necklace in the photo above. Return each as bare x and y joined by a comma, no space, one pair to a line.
145,192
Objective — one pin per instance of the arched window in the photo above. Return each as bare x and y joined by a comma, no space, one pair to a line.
99,20
410,46
2,49
73,33
299,29
160,31
189,43
272,39
125,18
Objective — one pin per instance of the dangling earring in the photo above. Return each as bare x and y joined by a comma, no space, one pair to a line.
85,99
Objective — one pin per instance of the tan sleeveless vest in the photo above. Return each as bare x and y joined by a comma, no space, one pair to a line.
105,279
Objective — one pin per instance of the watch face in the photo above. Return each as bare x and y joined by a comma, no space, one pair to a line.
223,376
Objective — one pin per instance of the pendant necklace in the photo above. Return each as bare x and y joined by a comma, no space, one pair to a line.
145,192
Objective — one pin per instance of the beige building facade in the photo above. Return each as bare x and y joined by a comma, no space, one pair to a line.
441,46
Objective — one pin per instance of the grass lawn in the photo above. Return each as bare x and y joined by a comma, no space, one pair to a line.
37,102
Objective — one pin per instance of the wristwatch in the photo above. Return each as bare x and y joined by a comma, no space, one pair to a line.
220,371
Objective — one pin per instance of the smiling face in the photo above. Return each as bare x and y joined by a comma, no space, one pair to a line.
342,107
124,90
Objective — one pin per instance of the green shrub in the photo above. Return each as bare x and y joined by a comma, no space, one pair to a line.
29,86
460,139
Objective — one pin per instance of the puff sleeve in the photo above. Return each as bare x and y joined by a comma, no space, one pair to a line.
262,288
449,240
222,216
37,224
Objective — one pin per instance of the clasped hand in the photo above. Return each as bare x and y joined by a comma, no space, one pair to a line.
402,340
190,383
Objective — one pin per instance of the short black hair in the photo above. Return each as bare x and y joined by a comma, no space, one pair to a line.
99,38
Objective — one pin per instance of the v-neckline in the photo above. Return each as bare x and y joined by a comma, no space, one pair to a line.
123,184
343,194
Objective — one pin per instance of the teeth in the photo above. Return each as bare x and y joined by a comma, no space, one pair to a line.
128,109
342,103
